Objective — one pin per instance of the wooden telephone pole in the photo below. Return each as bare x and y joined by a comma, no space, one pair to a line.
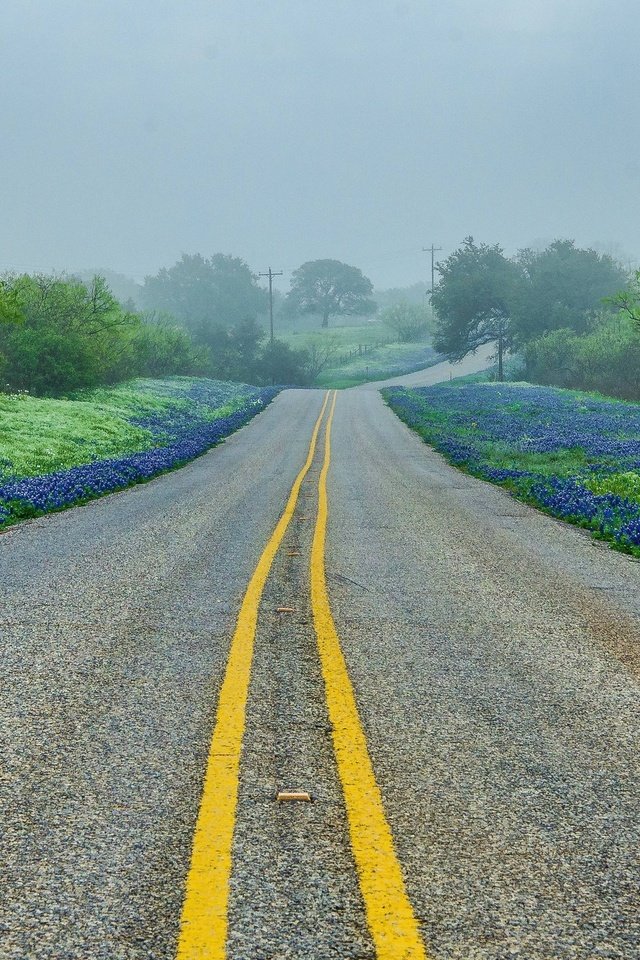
271,275
433,251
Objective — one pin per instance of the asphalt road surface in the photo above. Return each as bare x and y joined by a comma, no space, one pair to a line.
472,770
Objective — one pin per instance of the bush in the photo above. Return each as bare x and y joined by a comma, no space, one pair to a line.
58,334
409,320
67,335
281,364
163,351
48,362
607,359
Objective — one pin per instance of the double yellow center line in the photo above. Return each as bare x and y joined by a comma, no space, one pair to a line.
390,917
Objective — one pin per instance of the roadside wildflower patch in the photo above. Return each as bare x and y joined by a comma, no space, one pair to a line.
574,455
55,453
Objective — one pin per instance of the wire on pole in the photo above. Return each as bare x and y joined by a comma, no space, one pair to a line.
271,274
433,250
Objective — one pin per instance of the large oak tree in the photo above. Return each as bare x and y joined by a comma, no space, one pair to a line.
330,288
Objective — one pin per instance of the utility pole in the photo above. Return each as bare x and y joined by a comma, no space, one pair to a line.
271,275
433,250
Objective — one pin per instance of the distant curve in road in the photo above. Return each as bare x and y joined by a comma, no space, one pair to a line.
439,372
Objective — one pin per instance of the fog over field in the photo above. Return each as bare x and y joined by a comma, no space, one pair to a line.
296,130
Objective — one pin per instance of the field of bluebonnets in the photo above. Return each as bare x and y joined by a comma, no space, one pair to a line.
574,455
55,453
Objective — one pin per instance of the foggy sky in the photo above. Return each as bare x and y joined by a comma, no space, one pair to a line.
134,131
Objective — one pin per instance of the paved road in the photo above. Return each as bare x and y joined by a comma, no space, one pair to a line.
472,363
494,658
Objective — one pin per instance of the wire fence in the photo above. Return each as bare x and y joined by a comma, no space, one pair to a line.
360,350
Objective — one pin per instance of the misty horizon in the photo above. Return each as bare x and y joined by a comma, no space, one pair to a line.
303,131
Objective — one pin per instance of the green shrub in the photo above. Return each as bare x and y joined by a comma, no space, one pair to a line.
607,359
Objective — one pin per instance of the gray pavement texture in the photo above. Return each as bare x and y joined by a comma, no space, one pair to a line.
495,658
115,625
292,861
494,654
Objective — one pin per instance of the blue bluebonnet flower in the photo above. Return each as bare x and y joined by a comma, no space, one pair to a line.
182,433
561,445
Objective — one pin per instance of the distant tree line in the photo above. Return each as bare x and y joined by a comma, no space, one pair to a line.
571,314
198,317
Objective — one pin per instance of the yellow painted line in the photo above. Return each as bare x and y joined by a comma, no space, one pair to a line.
390,916
203,926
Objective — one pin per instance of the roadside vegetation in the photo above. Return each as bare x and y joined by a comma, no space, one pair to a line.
99,391
206,317
570,316
606,358
60,334
574,455
355,353
58,452
378,363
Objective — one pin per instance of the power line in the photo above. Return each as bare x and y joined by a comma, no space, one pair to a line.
271,275
433,263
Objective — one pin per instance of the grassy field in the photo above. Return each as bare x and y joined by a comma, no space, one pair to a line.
361,353
574,455
54,453
390,360
346,336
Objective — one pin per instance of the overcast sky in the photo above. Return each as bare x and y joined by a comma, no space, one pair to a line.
132,131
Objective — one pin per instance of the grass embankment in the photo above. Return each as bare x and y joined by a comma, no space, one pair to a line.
54,453
362,353
574,455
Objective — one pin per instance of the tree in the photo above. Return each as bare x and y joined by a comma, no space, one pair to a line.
628,299
561,287
321,350
74,335
205,293
68,304
471,301
235,354
124,288
245,339
10,311
331,289
414,294
409,320
279,363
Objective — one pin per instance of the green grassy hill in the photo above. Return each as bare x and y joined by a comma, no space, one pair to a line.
360,352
